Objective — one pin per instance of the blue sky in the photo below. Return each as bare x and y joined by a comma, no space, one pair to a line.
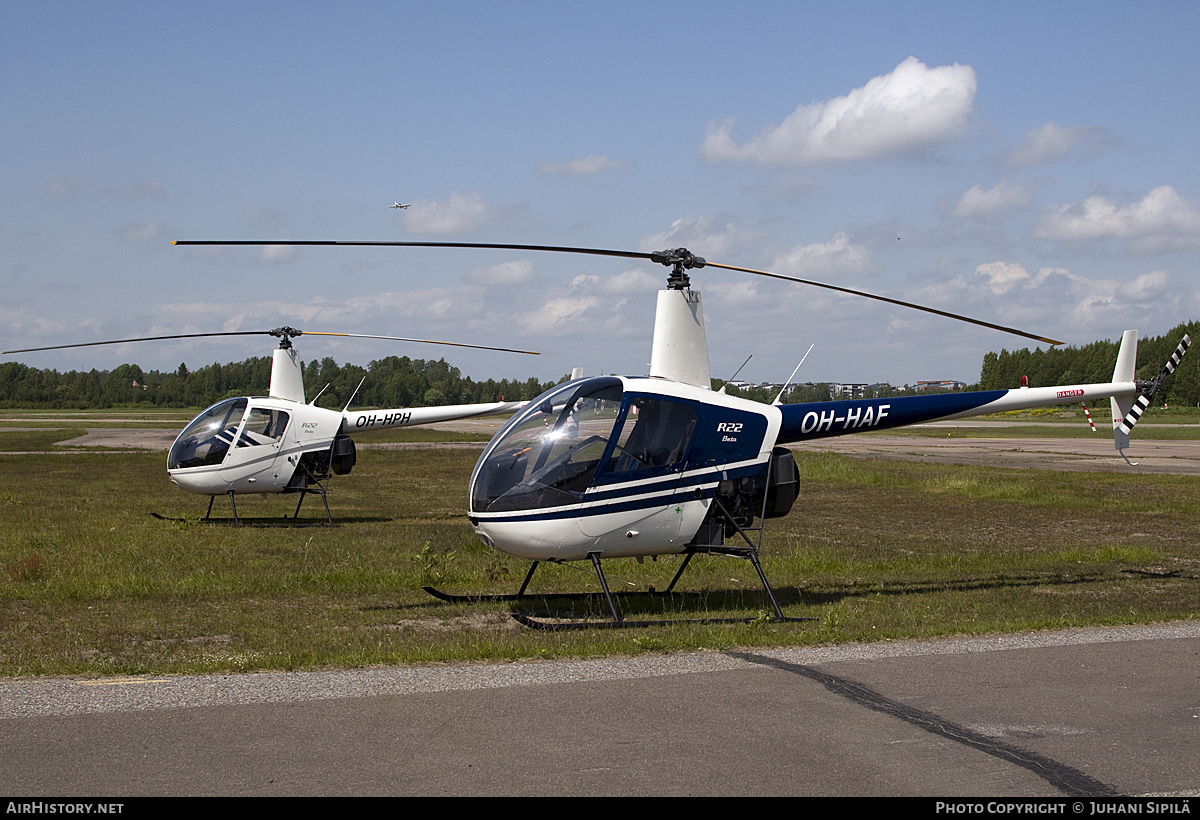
1028,164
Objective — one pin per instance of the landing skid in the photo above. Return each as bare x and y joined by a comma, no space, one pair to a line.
619,622
748,552
321,489
319,480
522,595
564,626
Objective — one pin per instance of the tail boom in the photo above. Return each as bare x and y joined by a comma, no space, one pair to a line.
802,422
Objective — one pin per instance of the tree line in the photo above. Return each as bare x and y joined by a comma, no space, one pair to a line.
1093,363
404,382
390,382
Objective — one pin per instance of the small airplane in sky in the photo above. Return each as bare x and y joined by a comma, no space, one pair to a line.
398,205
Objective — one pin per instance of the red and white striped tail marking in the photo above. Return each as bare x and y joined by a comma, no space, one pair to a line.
1143,402
1088,413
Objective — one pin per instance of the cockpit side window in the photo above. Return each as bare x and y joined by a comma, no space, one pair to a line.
656,434
263,426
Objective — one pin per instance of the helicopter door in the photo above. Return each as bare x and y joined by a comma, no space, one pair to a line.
256,463
646,458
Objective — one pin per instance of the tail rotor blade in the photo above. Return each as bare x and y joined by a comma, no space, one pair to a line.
1143,401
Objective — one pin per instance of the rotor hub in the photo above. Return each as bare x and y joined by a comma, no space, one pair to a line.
678,260
285,335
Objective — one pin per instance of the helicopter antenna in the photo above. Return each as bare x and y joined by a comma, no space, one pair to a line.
319,392
352,395
735,373
778,399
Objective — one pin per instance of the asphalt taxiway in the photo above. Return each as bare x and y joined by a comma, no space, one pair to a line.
1090,712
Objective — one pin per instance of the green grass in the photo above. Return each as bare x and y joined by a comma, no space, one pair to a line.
417,434
1100,412
1189,432
90,583
36,438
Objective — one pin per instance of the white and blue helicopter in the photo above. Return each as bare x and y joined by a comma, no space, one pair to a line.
279,443
620,466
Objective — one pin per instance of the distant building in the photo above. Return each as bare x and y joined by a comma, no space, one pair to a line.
948,384
848,391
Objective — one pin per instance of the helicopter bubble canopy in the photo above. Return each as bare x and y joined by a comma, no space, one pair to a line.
205,441
601,464
606,431
546,455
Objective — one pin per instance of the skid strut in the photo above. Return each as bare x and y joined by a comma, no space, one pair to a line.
321,482
749,552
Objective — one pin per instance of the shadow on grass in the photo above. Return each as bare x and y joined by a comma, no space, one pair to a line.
715,603
276,523
814,597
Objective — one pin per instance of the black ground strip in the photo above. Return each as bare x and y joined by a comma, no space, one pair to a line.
1062,777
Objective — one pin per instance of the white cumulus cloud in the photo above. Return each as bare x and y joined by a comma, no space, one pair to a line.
985,205
1001,277
910,109
506,273
1056,301
838,256
459,212
714,235
1161,219
138,191
557,316
373,313
278,253
263,217
585,167
68,184
1051,142
141,232
635,281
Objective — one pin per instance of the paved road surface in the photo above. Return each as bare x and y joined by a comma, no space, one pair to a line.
1096,711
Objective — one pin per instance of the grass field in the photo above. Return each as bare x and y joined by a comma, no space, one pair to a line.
90,583
1174,432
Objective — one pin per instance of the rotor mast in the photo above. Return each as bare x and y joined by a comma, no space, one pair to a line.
680,348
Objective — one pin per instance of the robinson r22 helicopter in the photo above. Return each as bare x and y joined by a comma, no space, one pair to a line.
277,443
618,466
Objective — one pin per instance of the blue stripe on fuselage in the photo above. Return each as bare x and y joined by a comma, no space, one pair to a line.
633,496
839,418
675,496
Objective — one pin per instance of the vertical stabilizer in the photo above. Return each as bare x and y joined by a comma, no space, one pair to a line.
1123,372
287,382
680,350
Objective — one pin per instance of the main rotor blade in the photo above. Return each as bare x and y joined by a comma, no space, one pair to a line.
143,339
290,332
866,295
665,257
422,341
483,245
